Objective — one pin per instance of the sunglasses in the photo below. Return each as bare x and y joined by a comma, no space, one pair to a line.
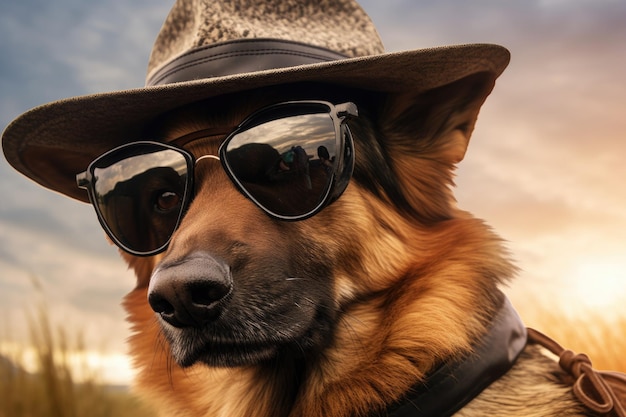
291,159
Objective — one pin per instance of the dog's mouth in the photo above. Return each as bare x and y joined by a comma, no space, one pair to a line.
232,343
191,346
212,314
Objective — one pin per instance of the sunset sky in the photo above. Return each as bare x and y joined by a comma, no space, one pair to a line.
546,166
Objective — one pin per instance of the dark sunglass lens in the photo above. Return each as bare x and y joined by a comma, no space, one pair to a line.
285,165
140,195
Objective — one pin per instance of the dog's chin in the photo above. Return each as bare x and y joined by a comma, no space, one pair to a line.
191,346
225,356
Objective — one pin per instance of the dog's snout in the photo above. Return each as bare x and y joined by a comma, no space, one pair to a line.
190,292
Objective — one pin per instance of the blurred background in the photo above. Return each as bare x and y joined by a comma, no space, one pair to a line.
545,167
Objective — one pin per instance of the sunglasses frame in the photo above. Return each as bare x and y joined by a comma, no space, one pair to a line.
86,181
339,113
341,174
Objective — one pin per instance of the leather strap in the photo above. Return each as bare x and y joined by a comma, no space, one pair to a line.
454,385
238,57
601,391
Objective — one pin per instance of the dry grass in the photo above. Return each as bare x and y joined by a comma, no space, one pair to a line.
600,335
53,390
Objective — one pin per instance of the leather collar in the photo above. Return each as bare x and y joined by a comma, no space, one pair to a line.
451,386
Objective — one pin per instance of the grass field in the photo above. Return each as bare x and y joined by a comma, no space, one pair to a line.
600,335
54,390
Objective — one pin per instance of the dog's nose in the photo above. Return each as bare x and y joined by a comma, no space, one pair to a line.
190,292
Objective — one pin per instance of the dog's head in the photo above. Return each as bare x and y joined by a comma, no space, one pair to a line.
238,287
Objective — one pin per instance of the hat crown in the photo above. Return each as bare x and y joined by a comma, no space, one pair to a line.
338,25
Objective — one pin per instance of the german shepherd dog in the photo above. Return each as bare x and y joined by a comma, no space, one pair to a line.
343,313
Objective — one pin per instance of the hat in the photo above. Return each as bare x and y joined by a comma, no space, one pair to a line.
208,48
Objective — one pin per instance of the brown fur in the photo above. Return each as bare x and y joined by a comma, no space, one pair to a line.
413,281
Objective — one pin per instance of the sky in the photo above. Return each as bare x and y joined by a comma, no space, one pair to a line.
545,167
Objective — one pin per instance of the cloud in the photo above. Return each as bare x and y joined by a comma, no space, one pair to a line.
404,24
545,164
112,44
58,49
39,265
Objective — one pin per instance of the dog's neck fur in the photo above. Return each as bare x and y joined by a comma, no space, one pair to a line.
453,385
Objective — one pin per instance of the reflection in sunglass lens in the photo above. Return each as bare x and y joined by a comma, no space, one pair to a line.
285,165
140,197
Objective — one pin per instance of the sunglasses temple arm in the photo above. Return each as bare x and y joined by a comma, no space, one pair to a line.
347,110
83,179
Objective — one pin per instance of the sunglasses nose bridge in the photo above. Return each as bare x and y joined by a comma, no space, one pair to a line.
207,157
202,170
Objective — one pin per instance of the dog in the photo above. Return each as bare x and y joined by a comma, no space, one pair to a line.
341,314
282,189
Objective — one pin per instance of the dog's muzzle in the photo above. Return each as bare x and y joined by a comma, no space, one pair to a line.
190,292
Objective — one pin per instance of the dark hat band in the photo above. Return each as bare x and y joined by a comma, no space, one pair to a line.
238,57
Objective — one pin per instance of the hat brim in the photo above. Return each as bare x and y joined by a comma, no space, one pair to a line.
53,142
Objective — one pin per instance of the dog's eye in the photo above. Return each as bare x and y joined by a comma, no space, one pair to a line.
167,201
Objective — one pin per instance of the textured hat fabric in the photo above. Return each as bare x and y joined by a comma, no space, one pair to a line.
208,48
198,23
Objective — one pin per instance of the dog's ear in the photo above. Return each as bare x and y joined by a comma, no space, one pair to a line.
425,135
437,123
